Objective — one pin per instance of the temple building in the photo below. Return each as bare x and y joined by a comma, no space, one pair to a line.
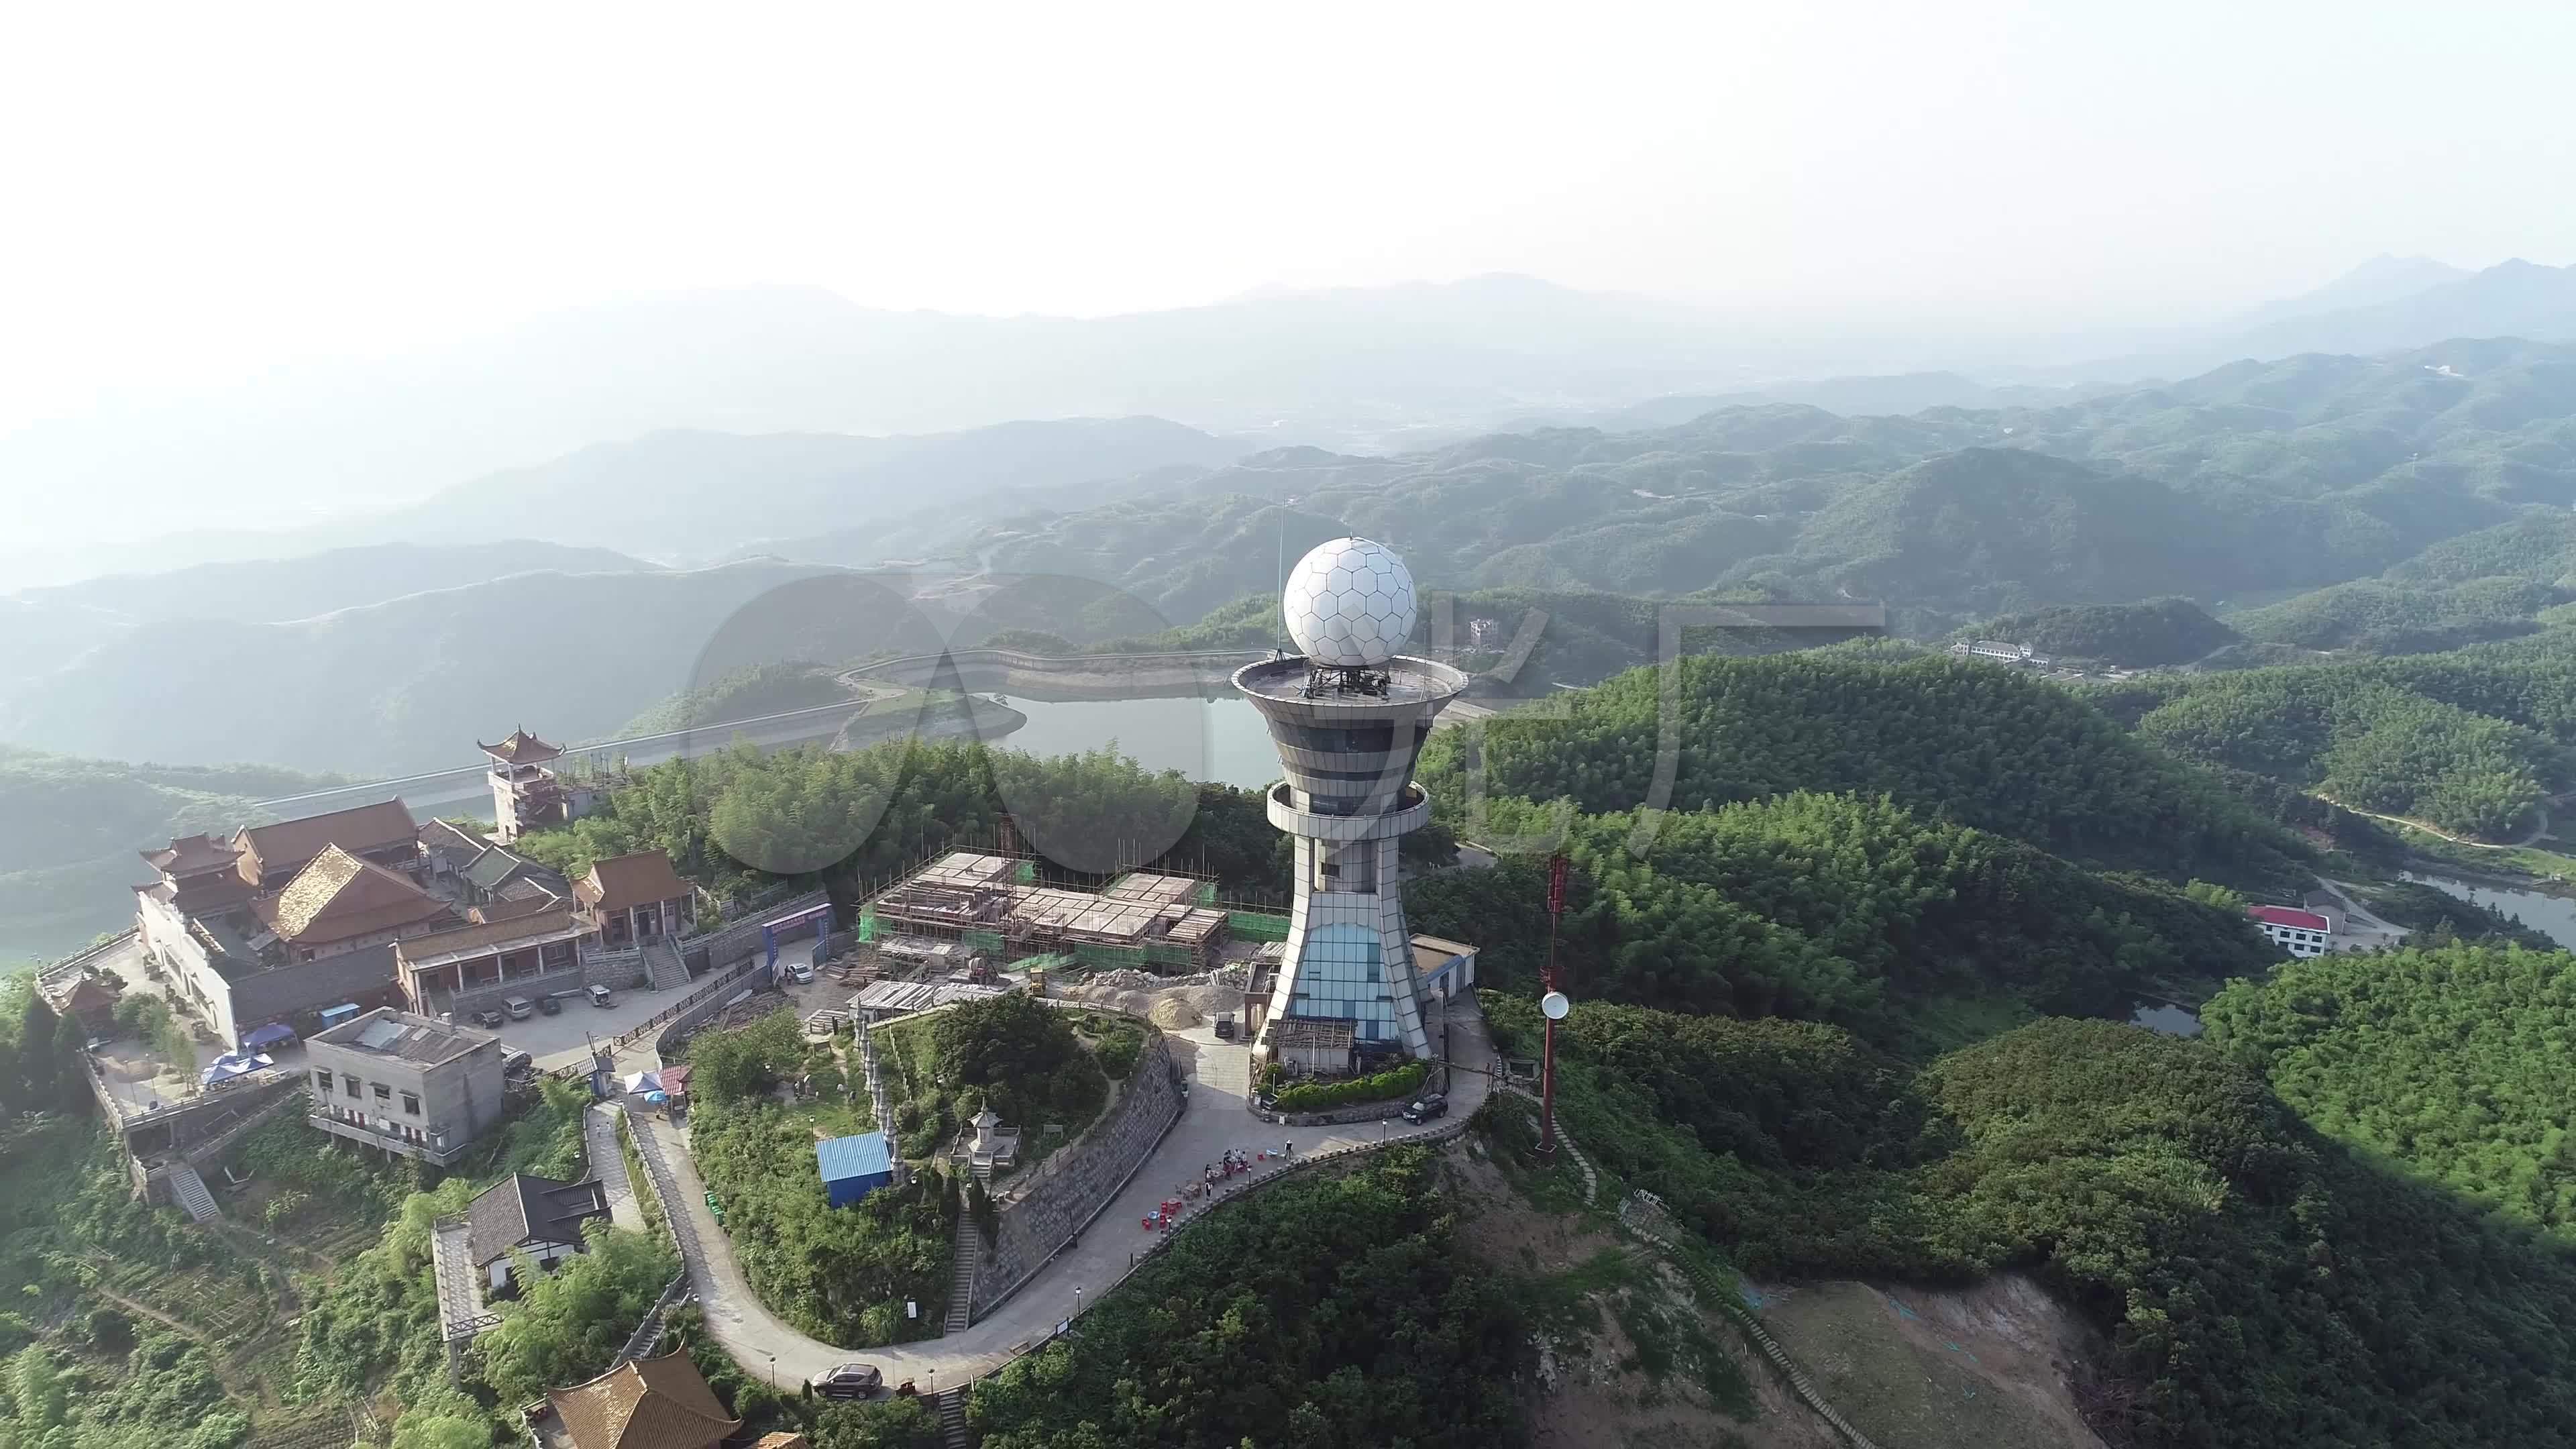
340,903
628,900
271,855
528,792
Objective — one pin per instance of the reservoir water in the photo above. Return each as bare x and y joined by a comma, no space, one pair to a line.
1206,739
2555,915
2166,1017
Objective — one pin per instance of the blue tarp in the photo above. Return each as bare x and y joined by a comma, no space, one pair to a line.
269,1035
229,1066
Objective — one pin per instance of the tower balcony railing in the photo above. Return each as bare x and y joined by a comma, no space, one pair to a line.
1412,811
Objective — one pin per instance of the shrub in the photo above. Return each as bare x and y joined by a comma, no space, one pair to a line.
1119,1047
111,1331
1401,1081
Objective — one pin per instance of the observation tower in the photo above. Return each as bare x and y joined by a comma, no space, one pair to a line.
1349,715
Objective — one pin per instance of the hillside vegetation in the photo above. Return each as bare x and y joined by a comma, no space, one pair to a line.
2301,473
2260,1287
2451,1062
1835,908
2138,636
1338,1313
68,862
2470,740
1945,738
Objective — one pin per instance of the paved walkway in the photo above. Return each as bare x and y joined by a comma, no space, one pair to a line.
608,1164
1217,1118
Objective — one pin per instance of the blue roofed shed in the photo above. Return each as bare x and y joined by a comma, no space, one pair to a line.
853,1167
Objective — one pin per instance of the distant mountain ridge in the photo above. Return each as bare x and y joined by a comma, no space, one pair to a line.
695,497
356,436
48,627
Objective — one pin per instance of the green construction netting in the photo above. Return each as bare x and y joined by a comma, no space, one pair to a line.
867,923
1257,925
981,940
1109,958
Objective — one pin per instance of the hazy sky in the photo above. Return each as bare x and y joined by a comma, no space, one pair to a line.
197,189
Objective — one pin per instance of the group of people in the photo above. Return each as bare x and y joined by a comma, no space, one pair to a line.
1233,1161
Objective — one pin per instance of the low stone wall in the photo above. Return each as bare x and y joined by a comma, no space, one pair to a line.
723,947
1081,1179
463,1007
616,970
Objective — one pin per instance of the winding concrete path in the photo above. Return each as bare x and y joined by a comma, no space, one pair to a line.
1217,1118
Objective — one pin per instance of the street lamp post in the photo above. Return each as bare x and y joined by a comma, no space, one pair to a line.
773,1371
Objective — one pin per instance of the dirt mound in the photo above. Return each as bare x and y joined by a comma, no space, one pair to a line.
1991,1366
1172,1014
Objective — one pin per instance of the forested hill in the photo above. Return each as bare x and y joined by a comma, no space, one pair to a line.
2452,1062
2256,477
1836,908
2259,1287
67,858
1948,739
2470,740
2138,636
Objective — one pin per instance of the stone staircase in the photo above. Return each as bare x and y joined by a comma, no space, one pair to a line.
968,1247
189,1190
664,966
952,1419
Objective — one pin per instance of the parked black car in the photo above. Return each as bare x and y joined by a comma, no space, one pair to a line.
551,1005
487,1017
849,1381
1426,1108
1225,1027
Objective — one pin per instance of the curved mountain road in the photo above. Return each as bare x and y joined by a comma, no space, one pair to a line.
1216,1119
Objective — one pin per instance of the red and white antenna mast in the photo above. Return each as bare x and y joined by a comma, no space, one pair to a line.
1553,1006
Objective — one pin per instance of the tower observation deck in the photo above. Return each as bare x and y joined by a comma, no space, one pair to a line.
1349,726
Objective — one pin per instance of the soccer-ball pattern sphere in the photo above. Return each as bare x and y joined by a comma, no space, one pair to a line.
1349,602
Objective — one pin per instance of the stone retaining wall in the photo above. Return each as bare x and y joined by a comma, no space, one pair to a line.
724,946
1081,1179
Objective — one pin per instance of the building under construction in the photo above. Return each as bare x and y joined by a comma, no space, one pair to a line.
995,904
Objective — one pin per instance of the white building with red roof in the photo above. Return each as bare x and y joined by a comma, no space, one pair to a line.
2301,933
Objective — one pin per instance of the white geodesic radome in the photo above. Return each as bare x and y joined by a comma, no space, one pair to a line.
1349,602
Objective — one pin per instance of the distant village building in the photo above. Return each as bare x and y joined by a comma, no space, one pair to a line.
408,1084
527,792
537,1217
2002,651
2301,933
